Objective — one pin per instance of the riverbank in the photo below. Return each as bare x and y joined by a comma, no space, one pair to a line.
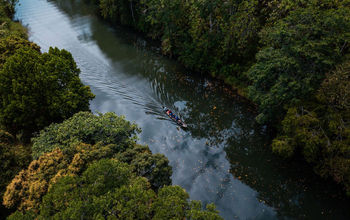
264,52
8,27
185,34
221,158
42,101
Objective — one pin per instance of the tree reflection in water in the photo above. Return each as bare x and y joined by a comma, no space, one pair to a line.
218,118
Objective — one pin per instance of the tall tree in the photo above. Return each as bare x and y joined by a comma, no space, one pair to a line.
70,147
38,89
320,130
109,190
85,127
299,49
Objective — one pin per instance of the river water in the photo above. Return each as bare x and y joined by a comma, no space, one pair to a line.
223,157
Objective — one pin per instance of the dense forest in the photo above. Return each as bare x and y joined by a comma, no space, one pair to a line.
58,160
291,58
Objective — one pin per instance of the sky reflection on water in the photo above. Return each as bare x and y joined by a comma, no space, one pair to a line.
222,157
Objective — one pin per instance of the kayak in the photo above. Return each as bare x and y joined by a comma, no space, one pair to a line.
173,117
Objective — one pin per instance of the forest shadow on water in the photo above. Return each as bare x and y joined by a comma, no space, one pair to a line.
222,157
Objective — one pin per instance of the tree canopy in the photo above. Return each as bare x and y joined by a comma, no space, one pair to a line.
87,167
116,178
14,157
320,130
10,44
299,49
108,189
108,176
68,148
29,186
38,89
85,127
279,49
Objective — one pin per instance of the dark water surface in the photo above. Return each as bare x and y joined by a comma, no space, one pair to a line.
223,156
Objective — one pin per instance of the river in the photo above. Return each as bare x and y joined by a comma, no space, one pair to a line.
223,157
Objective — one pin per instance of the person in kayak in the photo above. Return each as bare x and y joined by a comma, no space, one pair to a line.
168,112
171,114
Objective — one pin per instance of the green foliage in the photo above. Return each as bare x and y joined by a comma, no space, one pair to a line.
7,26
8,6
9,46
171,203
335,89
60,151
303,126
105,129
320,131
281,8
85,127
38,89
216,37
106,187
109,190
196,212
300,41
299,50
152,166
29,215
14,157
283,146
6,137
27,188
137,204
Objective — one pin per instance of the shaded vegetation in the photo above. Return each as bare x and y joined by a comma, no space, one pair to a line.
38,89
215,37
298,50
88,128
78,169
7,26
108,189
320,130
278,51
104,130
9,46
14,157
71,155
